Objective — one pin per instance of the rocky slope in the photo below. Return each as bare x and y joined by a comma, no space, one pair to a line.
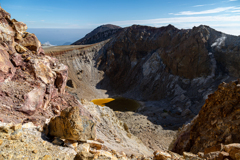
83,76
30,81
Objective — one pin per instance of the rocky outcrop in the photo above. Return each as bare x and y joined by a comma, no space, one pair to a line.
99,34
30,82
70,125
216,123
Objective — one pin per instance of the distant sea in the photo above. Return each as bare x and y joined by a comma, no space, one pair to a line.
56,36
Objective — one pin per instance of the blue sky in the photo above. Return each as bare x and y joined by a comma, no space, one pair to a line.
88,14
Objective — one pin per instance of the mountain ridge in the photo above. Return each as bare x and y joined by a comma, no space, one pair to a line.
99,34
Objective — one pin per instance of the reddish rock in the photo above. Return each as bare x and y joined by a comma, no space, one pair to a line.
214,149
17,60
62,75
33,100
40,51
31,79
7,70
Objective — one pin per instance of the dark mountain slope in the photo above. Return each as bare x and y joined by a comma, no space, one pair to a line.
99,34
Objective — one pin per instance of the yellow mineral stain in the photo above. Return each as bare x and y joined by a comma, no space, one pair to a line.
118,103
102,102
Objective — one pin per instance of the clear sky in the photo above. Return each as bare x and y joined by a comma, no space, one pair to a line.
223,15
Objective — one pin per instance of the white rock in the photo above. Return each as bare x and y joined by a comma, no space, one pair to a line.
28,125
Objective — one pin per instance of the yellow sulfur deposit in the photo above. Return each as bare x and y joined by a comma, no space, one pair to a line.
102,102
118,103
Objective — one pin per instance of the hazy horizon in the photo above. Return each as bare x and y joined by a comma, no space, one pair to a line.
58,36
221,15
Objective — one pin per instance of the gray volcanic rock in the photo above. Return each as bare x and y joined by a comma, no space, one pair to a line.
99,34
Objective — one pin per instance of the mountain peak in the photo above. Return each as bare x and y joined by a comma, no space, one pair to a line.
94,36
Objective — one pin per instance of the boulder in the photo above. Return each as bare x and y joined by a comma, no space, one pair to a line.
70,125
217,155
